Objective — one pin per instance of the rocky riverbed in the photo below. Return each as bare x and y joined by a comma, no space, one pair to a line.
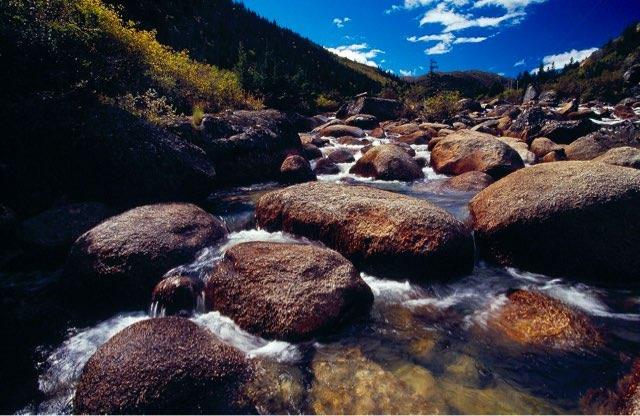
372,264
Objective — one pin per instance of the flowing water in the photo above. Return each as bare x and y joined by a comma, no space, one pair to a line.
426,348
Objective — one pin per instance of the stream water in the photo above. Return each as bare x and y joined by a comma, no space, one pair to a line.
424,349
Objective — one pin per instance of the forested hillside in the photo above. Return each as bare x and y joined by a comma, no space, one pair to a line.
285,69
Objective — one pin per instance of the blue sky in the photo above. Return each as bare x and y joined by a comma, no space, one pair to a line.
502,36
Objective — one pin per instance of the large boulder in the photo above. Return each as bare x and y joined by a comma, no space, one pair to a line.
177,295
534,319
528,124
565,132
387,162
296,169
55,230
287,291
468,182
245,146
118,263
466,151
577,219
548,98
621,156
163,366
530,95
341,156
621,399
468,104
391,234
542,146
326,166
382,108
599,142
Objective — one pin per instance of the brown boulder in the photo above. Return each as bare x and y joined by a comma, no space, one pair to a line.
387,162
326,166
468,182
363,121
625,112
163,366
466,151
597,143
176,295
403,129
542,145
351,141
392,234
287,291
531,318
340,130
621,399
378,133
557,155
341,156
621,156
579,218
311,151
417,137
296,169
117,263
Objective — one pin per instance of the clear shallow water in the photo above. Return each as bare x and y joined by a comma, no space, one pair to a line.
426,348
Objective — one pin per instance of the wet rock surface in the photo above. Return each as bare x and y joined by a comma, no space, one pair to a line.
116,264
287,291
390,233
387,162
163,365
534,319
578,217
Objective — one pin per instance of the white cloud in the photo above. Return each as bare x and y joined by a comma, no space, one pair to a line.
358,52
439,49
509,5
340,22
406,73
519,63
445,42
454,21
560,60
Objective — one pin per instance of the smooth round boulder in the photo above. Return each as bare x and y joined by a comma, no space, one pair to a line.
296,169
542,146
575,219
311,151
363,121
163,366
417,137
534,319
339,130
621,156
597,143
116,264
326,166
387,162
466,151
468,182
284,291
390,234
341,156
177,295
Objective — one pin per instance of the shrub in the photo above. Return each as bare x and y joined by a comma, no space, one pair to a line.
149,105
325,103
440,106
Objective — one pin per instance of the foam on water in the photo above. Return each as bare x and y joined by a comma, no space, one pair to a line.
228,331
391,291
64,365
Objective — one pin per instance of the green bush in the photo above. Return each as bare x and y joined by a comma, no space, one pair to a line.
440,106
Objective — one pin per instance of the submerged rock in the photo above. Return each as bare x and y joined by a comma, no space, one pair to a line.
531,318
466,151
177,295
383,231
345,381
116,264
621,156
468,182
163,366
580,219
622,399
287,291
296,169
387,162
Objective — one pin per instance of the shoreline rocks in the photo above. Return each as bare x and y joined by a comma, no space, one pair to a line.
392,234
290,292
117,264
163,365
387,162
575,219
